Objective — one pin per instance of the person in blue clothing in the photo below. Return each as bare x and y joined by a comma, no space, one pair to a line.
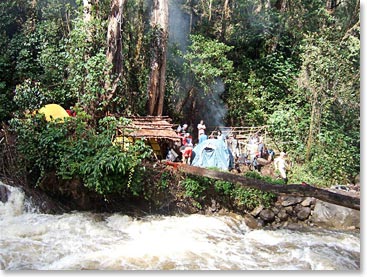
202,137
220,135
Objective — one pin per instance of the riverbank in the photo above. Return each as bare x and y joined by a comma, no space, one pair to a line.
169,198
31,240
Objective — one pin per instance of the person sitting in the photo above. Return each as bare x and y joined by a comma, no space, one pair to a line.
171,155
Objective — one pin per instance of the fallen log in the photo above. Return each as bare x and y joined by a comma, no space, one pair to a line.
303,190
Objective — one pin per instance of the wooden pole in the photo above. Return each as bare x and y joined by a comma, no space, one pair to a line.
303,190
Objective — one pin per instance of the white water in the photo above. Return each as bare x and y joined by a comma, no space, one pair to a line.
31,240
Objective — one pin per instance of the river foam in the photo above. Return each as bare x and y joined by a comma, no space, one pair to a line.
83,240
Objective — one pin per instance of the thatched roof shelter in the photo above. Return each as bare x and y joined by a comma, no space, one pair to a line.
156,127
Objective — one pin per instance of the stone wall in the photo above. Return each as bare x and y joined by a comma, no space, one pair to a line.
298,212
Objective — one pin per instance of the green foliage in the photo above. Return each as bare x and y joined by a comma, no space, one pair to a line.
268,179
251,198
96,68
289,124
224,187
110,169
243,198
74,150
136,54
294,67
246,198
165,179
32,58
336,160
245,106
330,78
206,60
87,66
29,96
195,187
39,144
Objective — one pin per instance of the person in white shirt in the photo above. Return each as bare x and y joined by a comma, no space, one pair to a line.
201,128
280,164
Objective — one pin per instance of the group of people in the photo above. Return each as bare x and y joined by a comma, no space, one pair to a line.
255,148
186,144
258,150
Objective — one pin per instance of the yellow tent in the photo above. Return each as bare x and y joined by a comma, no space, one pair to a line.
53,111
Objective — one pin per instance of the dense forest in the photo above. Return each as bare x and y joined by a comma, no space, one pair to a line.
293,65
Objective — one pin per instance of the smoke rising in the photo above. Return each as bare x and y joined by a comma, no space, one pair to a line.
179,25
215,111
209,107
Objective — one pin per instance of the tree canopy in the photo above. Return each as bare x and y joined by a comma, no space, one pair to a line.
290,64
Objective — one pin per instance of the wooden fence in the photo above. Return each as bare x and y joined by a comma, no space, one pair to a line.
244,134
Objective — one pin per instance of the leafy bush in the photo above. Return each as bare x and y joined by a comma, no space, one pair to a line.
244,198
195,187
29,96
224,187
164,180
74,150
251,198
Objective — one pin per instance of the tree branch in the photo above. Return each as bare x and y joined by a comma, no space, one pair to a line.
303,190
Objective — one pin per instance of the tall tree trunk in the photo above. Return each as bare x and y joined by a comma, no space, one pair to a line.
87,11
315,122
156,85
225,17
331,5
210,9
114,40
114,50
113,55
87,17
281,5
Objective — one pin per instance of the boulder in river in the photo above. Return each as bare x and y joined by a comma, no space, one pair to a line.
267,215
4,193
328,215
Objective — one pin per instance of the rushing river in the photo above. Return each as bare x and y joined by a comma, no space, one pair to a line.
81,240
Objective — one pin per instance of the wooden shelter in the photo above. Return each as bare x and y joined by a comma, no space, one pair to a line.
243,134
157,131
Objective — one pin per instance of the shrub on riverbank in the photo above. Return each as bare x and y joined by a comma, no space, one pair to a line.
231,195
74,150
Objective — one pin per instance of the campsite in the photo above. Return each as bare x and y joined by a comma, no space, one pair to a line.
180,135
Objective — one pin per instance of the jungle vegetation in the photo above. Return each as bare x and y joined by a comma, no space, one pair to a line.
293,65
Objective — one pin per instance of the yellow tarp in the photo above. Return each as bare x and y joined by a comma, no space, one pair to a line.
53,111
125,142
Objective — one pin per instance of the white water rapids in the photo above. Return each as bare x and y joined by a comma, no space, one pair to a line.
73,241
